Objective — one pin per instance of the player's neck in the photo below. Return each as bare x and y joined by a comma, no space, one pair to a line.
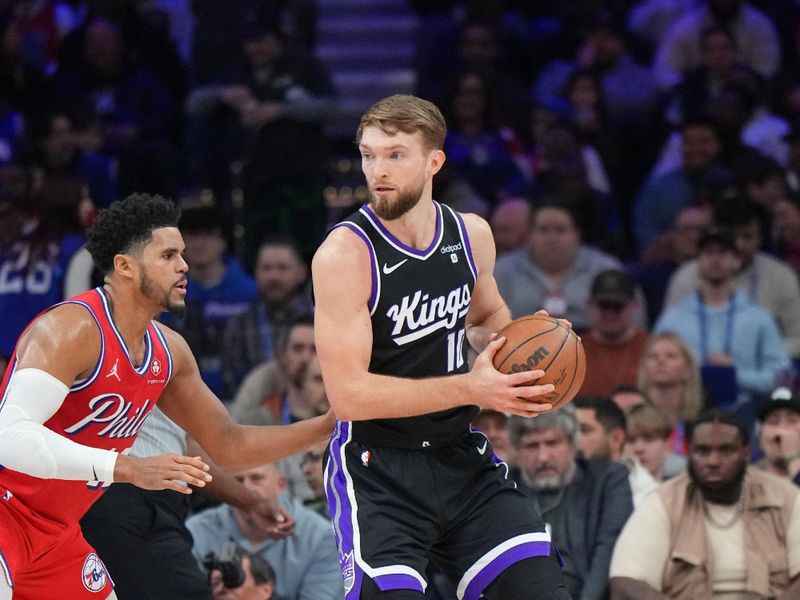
130,316
417,227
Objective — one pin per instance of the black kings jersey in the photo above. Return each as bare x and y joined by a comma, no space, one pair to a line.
418,304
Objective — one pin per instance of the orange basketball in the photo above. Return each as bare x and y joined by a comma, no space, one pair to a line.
539,342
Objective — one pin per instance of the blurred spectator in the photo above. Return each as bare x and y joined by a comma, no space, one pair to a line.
779,434
3,365
630,90
543,150
670,379
146,40
477,45
510,222
58,152
756,39
313,469
764,181
602,437
217,291
613,344
307,561
250,337
649,20
563,176
43,24
554,271
648,440
272,391
719,324
475,145
627,397
130,107
786,232
793,170
719,65
663,196
493,425
22,83
36,253
271,109
310,402
667,252
585,503
721,530
764,279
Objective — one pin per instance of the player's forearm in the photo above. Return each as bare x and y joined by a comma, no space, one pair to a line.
246,446
383,397
223,485
480,334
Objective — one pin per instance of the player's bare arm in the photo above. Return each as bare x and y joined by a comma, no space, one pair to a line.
188,401
343,335
61,347
488,312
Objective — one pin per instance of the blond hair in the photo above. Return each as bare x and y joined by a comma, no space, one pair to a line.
648,420
409,114
692,387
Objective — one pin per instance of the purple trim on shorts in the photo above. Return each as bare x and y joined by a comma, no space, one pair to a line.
341,512
398,581
467,246
373,263
373,218
510,557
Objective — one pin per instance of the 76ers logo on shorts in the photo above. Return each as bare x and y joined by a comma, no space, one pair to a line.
94,573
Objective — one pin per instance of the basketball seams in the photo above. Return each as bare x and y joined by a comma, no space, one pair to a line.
556,325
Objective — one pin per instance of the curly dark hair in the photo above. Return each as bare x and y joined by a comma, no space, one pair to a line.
126,224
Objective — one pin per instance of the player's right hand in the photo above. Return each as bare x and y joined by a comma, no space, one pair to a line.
513,393
162,472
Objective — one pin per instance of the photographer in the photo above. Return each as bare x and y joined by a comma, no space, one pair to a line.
307,560
779,435
242,576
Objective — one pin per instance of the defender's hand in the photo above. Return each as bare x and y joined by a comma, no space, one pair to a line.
270,516
158,472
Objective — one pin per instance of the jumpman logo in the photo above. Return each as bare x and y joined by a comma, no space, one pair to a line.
113,371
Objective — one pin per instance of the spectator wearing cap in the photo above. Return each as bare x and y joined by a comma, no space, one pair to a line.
721,325
614,342
767,281
779,434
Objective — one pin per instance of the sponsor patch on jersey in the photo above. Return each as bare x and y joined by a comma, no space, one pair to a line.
94,573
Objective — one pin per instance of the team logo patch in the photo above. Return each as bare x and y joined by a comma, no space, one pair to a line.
155,368
348,571
94,573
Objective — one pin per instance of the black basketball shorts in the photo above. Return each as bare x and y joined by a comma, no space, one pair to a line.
394,509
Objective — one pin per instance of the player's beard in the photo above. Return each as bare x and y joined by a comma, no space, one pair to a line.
148,290
407,199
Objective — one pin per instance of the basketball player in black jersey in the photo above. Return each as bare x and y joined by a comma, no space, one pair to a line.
401,287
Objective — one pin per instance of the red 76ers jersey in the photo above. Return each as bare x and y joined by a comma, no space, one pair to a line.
105,410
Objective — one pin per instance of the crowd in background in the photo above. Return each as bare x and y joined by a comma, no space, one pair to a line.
638,162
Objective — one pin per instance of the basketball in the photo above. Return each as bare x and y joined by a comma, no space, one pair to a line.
539,342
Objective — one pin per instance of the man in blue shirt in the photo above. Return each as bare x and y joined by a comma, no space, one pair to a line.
306,562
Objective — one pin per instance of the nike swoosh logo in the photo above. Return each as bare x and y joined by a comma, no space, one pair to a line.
482,450
387,269
94,473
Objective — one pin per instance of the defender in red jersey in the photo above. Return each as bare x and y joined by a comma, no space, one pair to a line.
80,384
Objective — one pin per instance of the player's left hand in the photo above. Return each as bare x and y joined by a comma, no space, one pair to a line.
544,313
